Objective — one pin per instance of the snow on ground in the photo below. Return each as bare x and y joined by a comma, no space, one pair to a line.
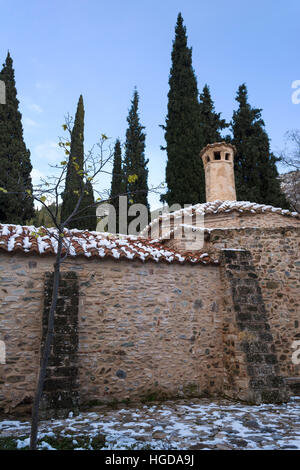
183,424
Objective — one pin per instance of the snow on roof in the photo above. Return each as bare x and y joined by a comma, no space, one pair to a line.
29,239
218,207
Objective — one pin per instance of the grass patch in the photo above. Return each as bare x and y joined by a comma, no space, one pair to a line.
58,442
152,396
71,443
91,404
8,443
113,404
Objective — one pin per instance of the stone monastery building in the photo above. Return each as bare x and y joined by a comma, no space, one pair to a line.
206,302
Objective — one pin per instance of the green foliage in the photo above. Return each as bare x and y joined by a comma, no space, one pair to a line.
184,171
8,443
210,122
58,442
87,219
118,184
150,397
256,174
135,163
15,165
70,443
75,183
43,218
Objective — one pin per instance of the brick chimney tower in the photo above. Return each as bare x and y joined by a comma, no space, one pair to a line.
218,160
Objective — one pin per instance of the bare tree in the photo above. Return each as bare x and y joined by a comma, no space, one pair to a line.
290,158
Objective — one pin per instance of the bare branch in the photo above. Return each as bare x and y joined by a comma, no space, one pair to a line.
290,158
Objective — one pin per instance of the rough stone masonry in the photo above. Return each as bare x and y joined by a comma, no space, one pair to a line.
143,330
142,319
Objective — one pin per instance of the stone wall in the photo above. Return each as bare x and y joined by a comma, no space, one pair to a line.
61,388
152,329
236,219
276,257
144,330
21,306
189,240
252,372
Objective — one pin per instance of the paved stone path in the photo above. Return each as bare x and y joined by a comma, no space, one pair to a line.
183,424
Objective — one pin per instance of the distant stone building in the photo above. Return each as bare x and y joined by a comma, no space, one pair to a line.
205,303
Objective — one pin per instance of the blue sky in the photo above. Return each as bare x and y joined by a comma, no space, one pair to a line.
103,49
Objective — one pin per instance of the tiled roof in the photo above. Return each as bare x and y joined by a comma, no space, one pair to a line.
215,146
42,241
218,207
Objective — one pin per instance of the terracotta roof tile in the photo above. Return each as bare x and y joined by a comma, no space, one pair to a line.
43,241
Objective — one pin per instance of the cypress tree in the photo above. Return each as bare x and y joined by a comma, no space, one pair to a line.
89,219
42,217
271,192
15,162
184,171
75,184
255,166
135,164
210,122
117,182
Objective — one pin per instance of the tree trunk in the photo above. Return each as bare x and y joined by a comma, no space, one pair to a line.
46,352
